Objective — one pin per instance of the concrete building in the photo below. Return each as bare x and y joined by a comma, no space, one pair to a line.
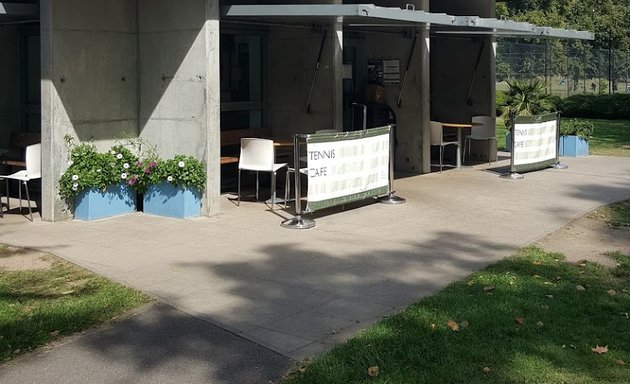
178,73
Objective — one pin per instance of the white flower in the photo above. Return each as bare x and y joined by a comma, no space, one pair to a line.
181,164
113,152
123,176
75,185
126,166
119,156
70,162
75,177
170,179
98,170
75,188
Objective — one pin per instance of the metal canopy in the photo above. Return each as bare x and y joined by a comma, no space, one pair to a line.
366,15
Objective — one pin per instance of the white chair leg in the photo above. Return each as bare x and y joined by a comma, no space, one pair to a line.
238,193
287,189
273,189
30,211
257,186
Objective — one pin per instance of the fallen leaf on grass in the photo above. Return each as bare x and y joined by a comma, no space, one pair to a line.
489,288
464,324
470,283
612,292
620,362
580,288
549,296
540,324
453,325
433,326
486,370
520,320
600,350
374,371
536,262
582,264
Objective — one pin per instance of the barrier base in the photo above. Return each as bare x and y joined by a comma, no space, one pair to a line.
392,199
512,176
559,165
298,222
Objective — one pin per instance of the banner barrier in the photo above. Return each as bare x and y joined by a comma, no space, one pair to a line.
535,144
344,167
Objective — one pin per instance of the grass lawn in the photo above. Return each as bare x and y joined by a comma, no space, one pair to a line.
42,304
610,137
531,318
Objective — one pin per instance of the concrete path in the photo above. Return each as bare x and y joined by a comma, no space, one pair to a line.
300,292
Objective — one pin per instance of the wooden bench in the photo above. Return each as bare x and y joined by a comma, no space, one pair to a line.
232,138
18,142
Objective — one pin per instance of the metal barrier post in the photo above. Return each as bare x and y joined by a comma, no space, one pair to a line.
511,174
298,222
391,199
558,164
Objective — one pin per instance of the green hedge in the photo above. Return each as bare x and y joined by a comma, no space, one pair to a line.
610,107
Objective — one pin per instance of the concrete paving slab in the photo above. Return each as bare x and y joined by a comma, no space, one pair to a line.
158,344
286,289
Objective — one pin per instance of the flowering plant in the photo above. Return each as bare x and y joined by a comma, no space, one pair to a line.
88,168
181,170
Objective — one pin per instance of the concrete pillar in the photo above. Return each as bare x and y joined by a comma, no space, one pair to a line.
337,86
211,201
425,92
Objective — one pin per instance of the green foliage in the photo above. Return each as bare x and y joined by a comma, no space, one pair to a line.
181,170
524,98
575,127
615,106
88,168
91,169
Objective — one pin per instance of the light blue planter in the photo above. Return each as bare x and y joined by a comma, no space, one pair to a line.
573,146
166,200
92,204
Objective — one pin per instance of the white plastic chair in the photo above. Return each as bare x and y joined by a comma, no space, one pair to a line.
483,128
258,155
437,138
33,171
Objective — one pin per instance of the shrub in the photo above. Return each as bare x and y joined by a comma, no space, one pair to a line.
181,170
610,107
575,127
88,168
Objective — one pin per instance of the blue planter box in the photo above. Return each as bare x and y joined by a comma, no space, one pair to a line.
166,200
573,146
93,203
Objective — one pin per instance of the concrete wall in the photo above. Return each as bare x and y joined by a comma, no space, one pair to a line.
89,82
9,90
119,68
179,87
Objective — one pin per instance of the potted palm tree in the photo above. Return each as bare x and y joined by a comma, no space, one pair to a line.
523,98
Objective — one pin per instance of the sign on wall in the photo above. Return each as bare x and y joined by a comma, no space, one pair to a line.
347,167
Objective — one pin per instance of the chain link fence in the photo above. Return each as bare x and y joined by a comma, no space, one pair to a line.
566,70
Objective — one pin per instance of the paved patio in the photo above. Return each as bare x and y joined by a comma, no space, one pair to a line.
300,292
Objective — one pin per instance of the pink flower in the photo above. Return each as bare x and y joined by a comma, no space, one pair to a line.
153,164
147,170
133,180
